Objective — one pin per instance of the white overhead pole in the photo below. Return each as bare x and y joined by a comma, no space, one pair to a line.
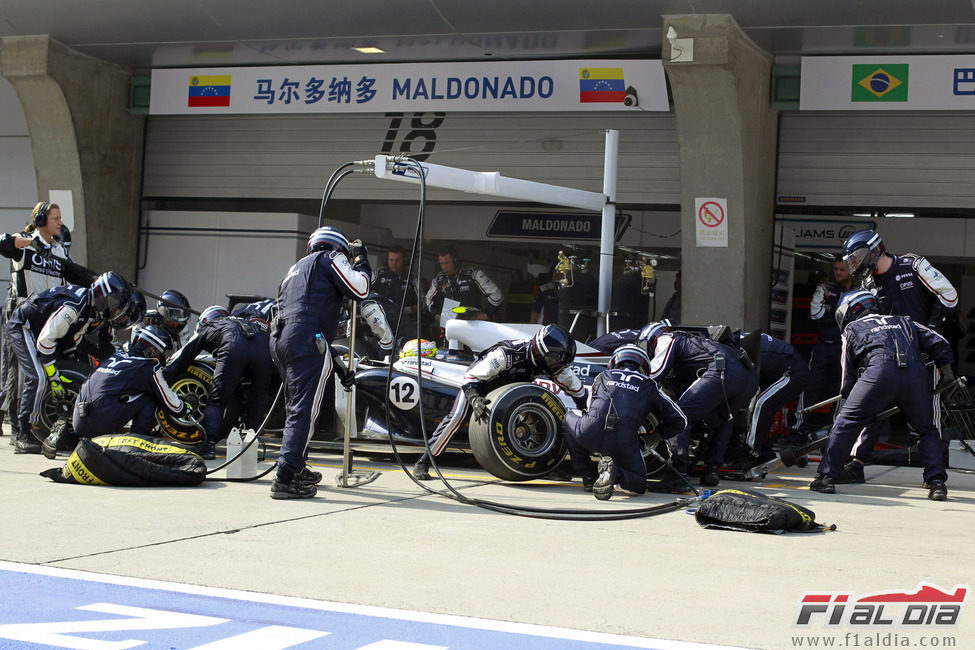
488,183
607,236
497,185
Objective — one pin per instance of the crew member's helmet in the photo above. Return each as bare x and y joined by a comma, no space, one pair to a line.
854,305
647,338
174,308
135,310
110,296
861,252
630,357
552,348
213,312
418,348
150,342
328,238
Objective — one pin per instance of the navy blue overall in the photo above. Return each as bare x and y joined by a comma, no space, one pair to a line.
783,375
910,287
608,342
262,310
631,396
241,350
394,288
309,300
121,389
505,362
709,397
871,345
824,358
35,329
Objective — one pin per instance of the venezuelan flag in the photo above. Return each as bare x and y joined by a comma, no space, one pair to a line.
209,90
601,85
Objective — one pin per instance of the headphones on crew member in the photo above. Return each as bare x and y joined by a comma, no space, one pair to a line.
453,256
40,216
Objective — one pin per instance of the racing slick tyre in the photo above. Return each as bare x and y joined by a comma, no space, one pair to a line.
55,408
522,438
193,387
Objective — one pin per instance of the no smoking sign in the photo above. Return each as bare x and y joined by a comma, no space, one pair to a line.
711,214
712,222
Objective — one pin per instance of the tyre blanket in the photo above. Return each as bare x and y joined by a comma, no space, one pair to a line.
750,511
131,461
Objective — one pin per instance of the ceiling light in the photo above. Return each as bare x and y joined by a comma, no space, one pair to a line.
369,50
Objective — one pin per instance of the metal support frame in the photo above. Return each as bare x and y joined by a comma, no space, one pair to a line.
349,478
502,187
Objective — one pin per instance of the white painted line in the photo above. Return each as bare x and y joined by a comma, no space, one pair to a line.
367,610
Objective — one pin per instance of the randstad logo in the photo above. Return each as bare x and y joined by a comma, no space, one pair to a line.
873,83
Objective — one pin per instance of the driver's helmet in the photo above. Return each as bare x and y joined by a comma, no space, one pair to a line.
110,295
328,238
630,357
854,305
213,312
135,310
647,338
552,348
418,348
150,342
861,252
174,307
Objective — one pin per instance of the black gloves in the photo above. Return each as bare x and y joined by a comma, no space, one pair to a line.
937,317
361,263
581,402
346,377
947,378
480,407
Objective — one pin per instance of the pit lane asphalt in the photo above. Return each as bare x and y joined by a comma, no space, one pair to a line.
391,544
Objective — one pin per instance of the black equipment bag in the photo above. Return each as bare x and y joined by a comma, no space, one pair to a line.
750,511
131,461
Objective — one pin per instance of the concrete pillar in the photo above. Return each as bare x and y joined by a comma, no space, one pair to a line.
727,135
84,140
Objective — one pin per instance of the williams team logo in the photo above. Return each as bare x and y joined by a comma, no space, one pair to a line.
873,83
927,606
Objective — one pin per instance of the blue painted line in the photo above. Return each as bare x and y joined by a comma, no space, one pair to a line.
44,607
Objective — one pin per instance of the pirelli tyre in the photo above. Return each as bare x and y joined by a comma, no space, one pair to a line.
193,387
55,408
522,437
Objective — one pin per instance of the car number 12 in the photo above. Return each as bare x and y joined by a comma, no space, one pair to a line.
404,392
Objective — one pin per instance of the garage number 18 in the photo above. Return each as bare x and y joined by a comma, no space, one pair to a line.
404,392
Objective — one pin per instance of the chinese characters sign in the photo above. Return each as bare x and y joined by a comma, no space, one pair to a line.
509,86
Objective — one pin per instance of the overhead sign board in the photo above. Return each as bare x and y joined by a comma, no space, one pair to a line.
527,224
899,83
586,85
825,233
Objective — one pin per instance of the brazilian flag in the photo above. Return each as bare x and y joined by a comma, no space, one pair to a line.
879,83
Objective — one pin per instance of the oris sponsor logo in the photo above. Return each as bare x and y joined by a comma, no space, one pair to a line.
45,265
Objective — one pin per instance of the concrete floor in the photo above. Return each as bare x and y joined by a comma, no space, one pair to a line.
392,544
